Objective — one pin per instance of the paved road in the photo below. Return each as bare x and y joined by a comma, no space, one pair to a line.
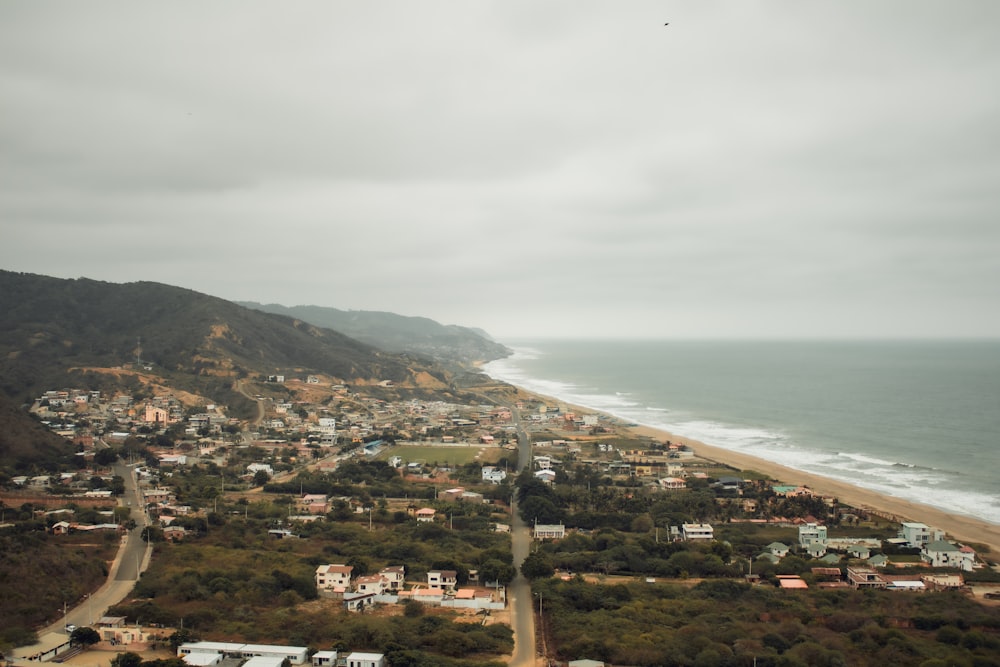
132,558
521,608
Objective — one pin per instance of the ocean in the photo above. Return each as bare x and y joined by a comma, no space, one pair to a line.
913,419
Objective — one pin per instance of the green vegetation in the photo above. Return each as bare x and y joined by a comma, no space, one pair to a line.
439,455
234,581
42,572
726,622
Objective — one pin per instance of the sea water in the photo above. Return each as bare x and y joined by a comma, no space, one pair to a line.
915,420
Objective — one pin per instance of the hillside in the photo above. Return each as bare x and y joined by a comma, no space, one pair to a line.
398,333
58,333
25,444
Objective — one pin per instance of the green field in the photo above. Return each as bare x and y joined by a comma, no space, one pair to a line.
442,454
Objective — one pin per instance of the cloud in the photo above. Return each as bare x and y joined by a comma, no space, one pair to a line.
574,168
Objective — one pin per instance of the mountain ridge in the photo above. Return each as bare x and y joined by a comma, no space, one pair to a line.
398,333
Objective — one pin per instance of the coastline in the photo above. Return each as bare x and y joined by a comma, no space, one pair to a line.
960,528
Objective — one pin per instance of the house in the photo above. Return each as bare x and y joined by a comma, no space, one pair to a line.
916,534
374,584
395,577
811,533
198,651
878,560
334,577
254,468
860,552
945,554
544,531
442,578
358,601
547,475
791,581
324,659
778,549
697,531
863,577
672,483
425,515
356,659
816,550
493,474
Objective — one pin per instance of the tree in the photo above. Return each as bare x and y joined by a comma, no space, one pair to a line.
537,566
127,659
105,457
84,636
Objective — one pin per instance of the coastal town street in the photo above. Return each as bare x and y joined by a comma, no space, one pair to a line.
132,558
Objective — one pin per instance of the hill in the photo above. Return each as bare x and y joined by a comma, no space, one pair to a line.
25,444
398,333
57,333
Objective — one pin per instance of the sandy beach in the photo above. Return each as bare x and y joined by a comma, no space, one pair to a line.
959,528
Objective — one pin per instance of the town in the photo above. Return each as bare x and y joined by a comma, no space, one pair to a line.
325,470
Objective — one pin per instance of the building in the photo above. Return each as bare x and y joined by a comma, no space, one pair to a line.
917,535
945,554
356,659
324,659
442,578
697,531
545,531
425,515
494,474
395,577
811,533
199,652
334,577
863,577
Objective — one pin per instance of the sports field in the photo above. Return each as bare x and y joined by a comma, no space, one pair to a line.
452,455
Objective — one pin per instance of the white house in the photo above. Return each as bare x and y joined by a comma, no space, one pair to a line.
324,659
442,578
697,531
374,584
548,475
494,474
395,577
254,468
549,531
945,554
356,659
334,577
918,534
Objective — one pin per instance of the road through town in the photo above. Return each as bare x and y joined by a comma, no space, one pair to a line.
521,607
133,557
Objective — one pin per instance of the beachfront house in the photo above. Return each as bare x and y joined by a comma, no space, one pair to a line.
945,554
917,535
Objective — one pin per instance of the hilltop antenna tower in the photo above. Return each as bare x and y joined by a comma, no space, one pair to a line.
138,352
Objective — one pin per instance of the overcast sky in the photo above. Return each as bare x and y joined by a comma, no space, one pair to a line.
754,169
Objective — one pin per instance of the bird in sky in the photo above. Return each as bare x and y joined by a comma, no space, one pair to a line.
666,24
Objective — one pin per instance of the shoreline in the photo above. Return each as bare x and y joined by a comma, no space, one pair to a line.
957,527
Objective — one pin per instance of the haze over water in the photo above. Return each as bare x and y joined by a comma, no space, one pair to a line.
912,419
